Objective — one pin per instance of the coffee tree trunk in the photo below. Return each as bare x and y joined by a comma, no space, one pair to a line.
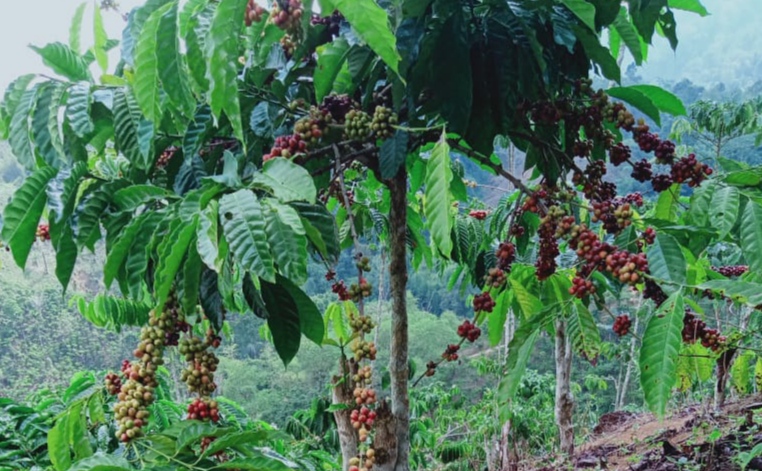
342,394
564,398
398,364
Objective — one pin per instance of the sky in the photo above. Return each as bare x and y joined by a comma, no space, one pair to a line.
725,46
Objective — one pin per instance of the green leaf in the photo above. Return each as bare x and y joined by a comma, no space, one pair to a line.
75,30
78,435
256,461
393,153
137,260
172,72
119,251
196,132
597,53
191,278
58,445
438,198
47,139
659,353
583,332
102,463
236,439
700,203
666,261
286,236
20,137
371,23
222,53
330,59
751,236
283,321
131,198
693,6
208,238
287,181
90,210
498,317
126,123
244,224
723,211
22,214
637,99
628,35
171,253
194,43
740,372
583,10
666,204
528,303
320,226
100,39
519,351
78,109
739,291
310,320
146,80
664,100
63,61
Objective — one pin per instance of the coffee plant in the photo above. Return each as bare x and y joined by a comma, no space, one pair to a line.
233,141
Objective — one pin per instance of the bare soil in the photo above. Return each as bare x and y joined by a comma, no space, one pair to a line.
696,438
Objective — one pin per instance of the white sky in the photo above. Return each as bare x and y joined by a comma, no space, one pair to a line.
720,47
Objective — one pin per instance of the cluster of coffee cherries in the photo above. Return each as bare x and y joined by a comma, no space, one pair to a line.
581,287
622,325
43,232
340,289
363,350
478,214
358,463
165,157
383,121
495,278
451,353
289,17
483,302
361,290
204,409
198,374
694,329
731,271
331,22
254,13
113,384
361,324
469,331
137,393
362,420
506,255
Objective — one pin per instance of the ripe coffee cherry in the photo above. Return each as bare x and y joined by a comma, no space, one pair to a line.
451,352
113,384
469,331
731,271
506,255
665,152
622,325
431,368
661,183
254,13
287,19
338,106
332,22
483,302
358,292
641,171
364,396
287,147
166,156
581,287
653,292
495,278
619,154
546,260
43,232
204,409
341,290
363,375
478,214
691,171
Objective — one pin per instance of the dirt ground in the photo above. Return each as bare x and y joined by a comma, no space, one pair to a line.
696,438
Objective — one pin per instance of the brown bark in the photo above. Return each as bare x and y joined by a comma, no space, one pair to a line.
398,364
564,398
723,371
342,394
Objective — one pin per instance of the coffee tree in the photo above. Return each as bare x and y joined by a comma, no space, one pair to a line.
234,140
